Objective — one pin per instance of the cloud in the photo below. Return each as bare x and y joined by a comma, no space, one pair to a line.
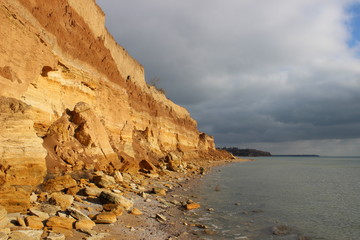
252,70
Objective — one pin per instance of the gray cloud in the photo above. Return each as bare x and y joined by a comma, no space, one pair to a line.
253,72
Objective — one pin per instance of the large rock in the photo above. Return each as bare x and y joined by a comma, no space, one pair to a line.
26,235
60,222
118,199
15,199
59,183
62,200
22,156
104,181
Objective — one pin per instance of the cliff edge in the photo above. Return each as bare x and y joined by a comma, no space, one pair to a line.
72,99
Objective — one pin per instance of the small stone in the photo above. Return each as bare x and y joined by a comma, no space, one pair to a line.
34,222
211,209
191,206
85,224
118,177
160,218
21,221
33,197
105,217
136,212
281,230
210,232
160,191
42,197
118,210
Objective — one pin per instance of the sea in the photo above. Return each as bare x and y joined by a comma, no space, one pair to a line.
316,197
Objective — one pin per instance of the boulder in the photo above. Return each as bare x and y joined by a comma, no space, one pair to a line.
60,222
26,235
77,214
62,200
104,181
15,199
34,222
93,191
59,183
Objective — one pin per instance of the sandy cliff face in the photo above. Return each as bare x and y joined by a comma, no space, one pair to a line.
73,99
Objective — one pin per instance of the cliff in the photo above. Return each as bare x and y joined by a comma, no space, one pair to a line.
72,99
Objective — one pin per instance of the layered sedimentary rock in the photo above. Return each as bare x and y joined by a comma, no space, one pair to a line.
73,99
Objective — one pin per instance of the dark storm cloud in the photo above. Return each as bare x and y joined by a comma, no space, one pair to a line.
250,72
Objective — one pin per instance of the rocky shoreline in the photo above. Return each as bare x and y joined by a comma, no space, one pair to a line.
146,205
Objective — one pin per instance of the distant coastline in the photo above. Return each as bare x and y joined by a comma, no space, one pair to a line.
296,155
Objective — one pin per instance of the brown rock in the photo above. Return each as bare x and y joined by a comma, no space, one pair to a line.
59,183
26,235
136,212
105,217
56,236
93,191
118,199
36,212
64,231
147,166
60,222
118,210
192,206
118,177
85,224
21,221
3,217
104,181
77,214
62,200
34,222
14,199
73,190
160,191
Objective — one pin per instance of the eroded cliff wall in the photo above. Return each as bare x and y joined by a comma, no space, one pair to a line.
73,99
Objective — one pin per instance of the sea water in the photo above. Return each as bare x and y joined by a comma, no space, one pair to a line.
317,197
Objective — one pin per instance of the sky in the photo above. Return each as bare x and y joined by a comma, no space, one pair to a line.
280,76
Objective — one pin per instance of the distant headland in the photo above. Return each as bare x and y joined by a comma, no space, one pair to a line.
246,152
